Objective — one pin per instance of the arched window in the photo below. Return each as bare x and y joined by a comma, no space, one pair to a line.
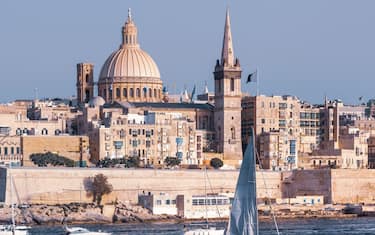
44,131
87,95
18,131
138,92
150,92
125,92
131,92
232,84
118,92
87,78
145,92
155,93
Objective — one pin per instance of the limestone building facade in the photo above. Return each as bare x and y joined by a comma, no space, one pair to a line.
134,116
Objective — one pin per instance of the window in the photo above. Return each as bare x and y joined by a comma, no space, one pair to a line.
11,150
131,91
118,92
18,150
167,202
158,202
150,92
155,93
138,92
232,84
87,78
145,92
233,132
5,150
44,131
125,92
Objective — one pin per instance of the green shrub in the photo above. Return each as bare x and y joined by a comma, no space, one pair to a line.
50,159
216,163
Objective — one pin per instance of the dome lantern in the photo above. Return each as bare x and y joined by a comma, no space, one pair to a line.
129,33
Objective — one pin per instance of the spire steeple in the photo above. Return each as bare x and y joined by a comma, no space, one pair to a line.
227,53
129,33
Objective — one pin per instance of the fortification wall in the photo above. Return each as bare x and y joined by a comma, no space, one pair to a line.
355,186
64,185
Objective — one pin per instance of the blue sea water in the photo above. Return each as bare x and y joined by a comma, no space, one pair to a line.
362,225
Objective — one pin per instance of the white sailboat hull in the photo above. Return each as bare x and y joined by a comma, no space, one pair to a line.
205,232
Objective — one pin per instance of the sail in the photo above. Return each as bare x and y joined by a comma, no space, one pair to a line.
244,214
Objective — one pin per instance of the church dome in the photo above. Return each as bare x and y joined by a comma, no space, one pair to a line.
129,61
130,74
97,101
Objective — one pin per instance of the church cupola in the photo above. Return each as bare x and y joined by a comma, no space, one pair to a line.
129,33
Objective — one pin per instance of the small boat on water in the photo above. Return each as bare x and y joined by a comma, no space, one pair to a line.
13,230
80,230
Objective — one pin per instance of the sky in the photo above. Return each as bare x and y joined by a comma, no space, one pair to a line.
308,48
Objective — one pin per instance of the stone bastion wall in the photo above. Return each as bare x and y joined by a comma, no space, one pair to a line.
65,185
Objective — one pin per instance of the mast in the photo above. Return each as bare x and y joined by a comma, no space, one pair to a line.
205,193
12,205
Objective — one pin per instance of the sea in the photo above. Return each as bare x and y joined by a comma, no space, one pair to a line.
360,225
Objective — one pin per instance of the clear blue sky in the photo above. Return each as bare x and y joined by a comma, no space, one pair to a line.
303,48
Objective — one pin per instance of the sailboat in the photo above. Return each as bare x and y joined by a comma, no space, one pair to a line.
13,229
244,213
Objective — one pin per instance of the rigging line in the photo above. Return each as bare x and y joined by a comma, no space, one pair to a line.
268,193
212,191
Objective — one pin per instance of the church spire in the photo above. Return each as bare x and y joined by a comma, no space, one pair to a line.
129,33
227,53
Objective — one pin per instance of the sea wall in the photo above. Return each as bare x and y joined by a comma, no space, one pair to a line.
355,186
66,185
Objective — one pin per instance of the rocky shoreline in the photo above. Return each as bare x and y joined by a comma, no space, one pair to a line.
75,213
80,213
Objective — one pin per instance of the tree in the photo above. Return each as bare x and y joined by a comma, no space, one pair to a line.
216,163
98,186
172,161
50,159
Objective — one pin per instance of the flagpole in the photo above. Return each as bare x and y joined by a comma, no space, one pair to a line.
257,79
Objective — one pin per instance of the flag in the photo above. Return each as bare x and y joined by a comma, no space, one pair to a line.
253,77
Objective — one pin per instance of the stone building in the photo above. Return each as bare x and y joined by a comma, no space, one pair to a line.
276,123
49,120
134,116
72,147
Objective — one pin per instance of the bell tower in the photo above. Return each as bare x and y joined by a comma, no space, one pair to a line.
227,114
85,82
